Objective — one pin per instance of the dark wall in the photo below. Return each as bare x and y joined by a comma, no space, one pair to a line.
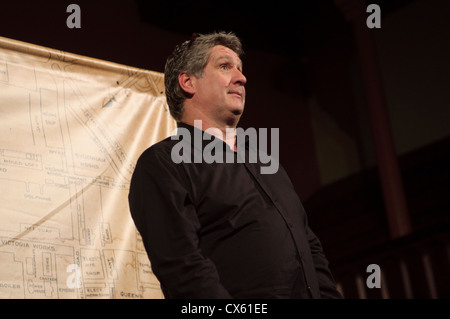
110,30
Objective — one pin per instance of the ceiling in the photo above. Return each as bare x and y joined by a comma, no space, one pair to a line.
264,25
281,26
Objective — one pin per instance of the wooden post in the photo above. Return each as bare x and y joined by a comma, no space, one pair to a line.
389,172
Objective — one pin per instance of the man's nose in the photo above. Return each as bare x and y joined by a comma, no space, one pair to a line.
239,77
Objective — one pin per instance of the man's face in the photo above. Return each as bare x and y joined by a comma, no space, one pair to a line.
220,91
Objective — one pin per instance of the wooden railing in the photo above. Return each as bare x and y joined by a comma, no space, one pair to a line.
412,267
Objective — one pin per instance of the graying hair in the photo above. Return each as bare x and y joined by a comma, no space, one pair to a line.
191,57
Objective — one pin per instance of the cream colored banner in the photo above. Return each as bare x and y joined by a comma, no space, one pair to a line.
71,130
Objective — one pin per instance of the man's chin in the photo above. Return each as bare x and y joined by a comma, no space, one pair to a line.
234,117
237,112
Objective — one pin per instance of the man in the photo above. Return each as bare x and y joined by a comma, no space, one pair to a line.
221,229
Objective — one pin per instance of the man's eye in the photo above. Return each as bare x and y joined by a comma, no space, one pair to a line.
224,66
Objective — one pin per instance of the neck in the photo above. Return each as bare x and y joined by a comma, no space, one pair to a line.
226,131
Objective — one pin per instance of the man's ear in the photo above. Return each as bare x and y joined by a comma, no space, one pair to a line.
186,83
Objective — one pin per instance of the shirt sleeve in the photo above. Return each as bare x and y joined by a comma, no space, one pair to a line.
164,214
327,284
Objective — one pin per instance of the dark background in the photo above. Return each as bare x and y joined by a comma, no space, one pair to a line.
304,78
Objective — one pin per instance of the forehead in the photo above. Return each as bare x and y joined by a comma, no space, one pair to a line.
221,52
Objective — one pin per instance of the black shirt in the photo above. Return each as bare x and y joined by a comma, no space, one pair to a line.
223,230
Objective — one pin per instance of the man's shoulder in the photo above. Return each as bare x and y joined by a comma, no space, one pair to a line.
162,146
158,151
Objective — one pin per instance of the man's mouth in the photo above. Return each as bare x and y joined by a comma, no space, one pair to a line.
237,93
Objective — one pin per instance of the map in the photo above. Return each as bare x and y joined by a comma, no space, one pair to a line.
72,129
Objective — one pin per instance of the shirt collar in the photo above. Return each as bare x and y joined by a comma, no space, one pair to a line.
205,141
